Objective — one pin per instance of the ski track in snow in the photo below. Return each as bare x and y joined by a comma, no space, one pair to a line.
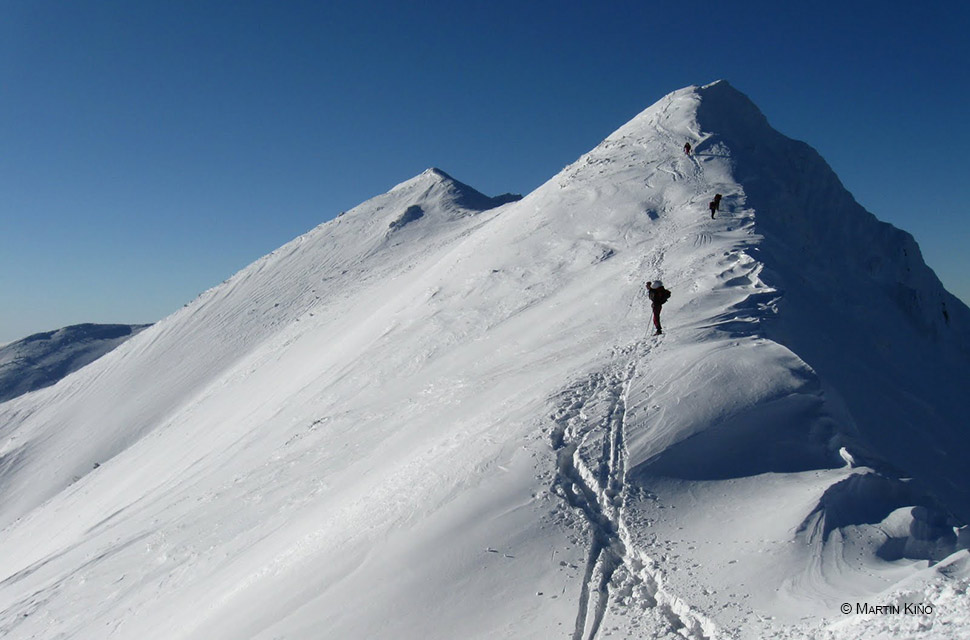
591,466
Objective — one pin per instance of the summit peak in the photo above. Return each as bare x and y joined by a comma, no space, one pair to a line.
436,184
718,85
436,174
724,109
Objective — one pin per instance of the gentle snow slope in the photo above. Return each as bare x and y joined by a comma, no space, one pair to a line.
442,415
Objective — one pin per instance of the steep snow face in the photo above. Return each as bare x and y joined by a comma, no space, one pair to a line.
438,417
859,305
42,359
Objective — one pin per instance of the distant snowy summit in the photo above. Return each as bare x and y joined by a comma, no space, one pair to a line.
449,195
462,195
42,359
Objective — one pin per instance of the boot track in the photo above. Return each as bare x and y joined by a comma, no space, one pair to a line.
588,437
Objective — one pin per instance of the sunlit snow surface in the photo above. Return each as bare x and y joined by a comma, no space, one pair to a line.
458,424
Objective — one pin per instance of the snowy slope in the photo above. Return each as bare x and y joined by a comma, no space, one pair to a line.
42,359
442,415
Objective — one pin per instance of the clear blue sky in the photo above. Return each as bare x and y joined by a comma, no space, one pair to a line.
148,150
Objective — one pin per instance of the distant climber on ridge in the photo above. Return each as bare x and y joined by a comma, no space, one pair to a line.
687,148
715,204
658,296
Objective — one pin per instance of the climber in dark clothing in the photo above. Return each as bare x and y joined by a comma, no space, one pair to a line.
687,148
658,296
715,204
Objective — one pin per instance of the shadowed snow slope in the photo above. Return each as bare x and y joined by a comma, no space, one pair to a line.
443,415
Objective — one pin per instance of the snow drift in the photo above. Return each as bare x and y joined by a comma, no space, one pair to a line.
443,415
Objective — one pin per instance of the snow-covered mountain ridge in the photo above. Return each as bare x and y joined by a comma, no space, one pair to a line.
442,415
41,359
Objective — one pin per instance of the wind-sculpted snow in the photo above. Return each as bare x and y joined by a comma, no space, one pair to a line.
458,424
860,306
